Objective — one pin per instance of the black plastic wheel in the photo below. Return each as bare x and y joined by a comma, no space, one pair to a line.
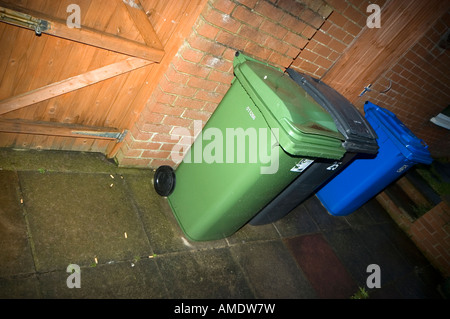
164,180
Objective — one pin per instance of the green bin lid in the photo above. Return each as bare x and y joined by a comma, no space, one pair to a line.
305,128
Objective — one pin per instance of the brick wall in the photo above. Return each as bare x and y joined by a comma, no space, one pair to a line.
420,88
308,35
430,232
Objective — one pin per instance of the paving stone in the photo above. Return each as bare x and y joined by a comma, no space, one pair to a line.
323,269
210,274
75,218
271,271
15,253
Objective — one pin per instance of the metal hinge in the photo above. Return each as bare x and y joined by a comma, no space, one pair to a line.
23,20
119,136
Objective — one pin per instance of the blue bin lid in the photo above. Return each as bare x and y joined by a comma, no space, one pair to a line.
413,148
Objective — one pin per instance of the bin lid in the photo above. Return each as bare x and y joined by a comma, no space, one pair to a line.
359,135
305,128
413,148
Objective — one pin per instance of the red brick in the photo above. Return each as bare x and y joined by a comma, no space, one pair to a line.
165,138
276,45
210,107
320,72
295,40
352,28
309,32
190,68
189,103
222,77
176,77
324,63
197,115
207,30
307,66
192,55
167,109
293,23
325,11
155,163
339,5
355,16
156,128
205,45
312,18
162,97
225,6
258,51
134,162
222,88
222,20
136,145
280,60
148,116
337,19
202,84
323,38
176,121
292,7
177,89
268,10
247,16
168,147
253,34
249,3
308,55
155,154
231,40
337,33
217,63
208,96
275,30
337,46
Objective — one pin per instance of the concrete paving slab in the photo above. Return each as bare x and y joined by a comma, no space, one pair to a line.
160,225
119,280
81,219
297,222
328,276
352,252
323,219
24,286
15,253
271,271
210,274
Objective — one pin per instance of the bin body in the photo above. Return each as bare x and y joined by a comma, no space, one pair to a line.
360,138
216,196
364,178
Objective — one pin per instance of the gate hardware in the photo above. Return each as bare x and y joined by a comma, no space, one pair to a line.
23,20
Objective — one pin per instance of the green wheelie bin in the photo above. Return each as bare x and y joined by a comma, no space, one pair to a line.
265,131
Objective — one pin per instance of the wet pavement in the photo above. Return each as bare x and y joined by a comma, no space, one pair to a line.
61,208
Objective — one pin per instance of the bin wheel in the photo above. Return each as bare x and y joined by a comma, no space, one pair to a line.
164,180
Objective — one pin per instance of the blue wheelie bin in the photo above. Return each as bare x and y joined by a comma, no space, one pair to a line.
399,150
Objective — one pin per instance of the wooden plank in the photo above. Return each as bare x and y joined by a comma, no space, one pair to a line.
141,21
376,50
58,129
71,84
187,12
89,36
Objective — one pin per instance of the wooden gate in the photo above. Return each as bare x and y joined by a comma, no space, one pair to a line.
75,74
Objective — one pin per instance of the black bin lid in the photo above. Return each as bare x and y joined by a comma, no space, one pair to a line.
359,135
